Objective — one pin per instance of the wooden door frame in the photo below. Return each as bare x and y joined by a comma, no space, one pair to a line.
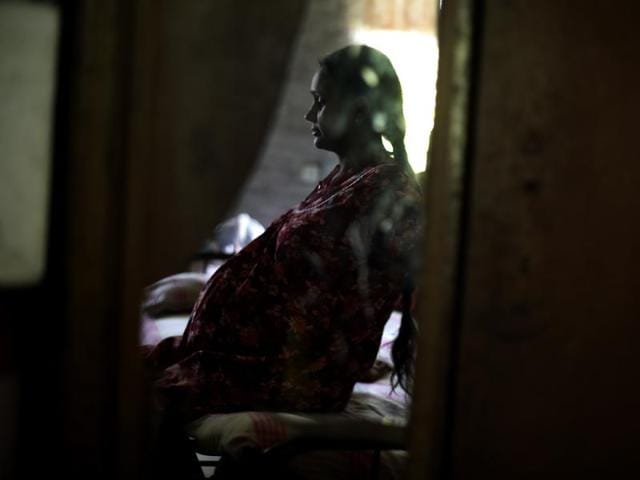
446,207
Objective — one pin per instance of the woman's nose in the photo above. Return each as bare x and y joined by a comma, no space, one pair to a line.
310,116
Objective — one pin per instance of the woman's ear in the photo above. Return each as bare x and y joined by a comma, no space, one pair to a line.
361,113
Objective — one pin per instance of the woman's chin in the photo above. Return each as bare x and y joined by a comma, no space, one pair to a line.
321,144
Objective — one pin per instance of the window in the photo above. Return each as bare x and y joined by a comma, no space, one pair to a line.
28,37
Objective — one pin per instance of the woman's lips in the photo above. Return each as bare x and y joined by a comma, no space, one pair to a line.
315,132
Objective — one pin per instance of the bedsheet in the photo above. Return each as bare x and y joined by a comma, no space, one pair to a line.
235,434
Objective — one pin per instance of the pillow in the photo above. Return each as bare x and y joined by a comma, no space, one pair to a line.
174,294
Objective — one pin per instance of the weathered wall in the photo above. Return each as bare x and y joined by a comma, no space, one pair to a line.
548,375
206,84
162,109
290,165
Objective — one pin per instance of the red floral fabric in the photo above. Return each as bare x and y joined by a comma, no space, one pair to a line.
293,320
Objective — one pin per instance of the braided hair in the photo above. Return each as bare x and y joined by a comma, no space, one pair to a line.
366,73
363,72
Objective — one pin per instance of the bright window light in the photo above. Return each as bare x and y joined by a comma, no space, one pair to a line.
414,55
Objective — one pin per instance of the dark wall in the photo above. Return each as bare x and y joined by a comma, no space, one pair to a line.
209,77
161,108
277,182
541,312
548,374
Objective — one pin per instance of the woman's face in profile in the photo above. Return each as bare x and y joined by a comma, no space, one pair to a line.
328,115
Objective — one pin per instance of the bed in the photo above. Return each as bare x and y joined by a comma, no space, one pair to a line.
366,440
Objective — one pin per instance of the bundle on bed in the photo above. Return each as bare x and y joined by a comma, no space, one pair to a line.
366,440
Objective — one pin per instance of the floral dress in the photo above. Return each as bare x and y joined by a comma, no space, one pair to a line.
292,321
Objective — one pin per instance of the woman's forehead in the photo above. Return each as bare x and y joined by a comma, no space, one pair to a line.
320,82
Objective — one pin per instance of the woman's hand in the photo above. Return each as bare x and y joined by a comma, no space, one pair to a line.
173,295
378,371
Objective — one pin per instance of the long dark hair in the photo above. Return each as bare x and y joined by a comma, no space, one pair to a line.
404,348
363,72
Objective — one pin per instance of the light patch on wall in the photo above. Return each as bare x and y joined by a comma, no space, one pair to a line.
28,39
414,55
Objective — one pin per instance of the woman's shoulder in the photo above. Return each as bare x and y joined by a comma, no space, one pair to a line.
394,177
366,186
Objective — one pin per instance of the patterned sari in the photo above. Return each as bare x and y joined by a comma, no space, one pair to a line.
292,321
